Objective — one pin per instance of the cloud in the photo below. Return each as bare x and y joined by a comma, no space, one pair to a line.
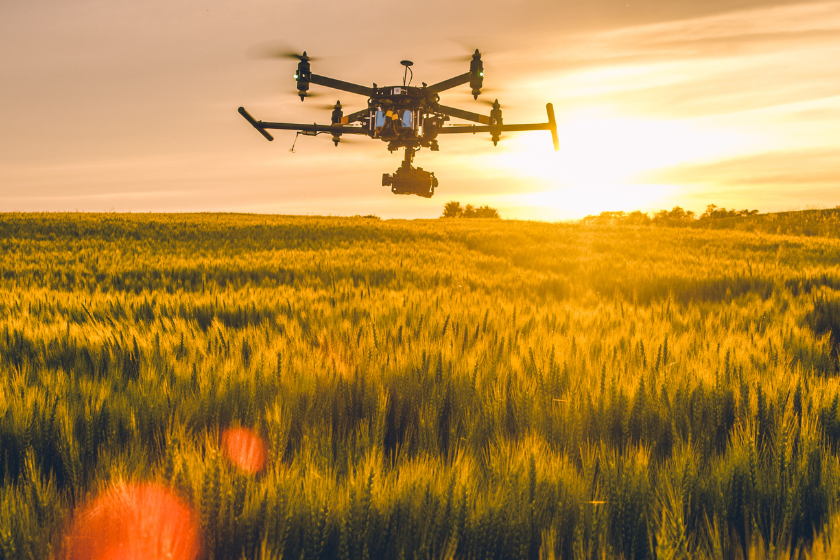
781,180
819,168
711,65
731,33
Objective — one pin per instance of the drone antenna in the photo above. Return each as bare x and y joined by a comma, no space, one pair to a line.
292,149
407,64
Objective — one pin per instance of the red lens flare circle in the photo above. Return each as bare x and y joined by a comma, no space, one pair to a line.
134,522
245,449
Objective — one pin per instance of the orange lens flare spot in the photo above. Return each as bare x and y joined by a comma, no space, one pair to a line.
133,522
245,449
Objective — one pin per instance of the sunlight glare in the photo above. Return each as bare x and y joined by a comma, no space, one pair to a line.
602,157
245,448
135,522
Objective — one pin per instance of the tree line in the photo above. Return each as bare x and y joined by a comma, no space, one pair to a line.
676,216
812,222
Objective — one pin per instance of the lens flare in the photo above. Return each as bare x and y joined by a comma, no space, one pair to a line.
245,449
134,522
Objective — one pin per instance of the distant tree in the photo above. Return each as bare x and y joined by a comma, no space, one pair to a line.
612,217
634,218
673,217
486,212
711,211
676,216
604,218
637,218
452,210
714,213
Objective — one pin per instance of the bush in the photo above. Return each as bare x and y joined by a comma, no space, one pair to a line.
453,209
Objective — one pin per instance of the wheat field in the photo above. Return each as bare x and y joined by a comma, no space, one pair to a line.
424,389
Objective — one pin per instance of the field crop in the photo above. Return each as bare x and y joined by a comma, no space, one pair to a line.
445,388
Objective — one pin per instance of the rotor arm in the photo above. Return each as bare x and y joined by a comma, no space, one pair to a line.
343,86
551,125
256,124
450,83
261,127
471,128
314,128
461,114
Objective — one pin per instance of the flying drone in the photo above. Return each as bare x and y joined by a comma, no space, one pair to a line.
404,116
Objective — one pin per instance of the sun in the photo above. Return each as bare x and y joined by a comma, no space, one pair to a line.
603,159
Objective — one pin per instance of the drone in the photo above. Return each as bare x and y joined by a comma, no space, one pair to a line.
405,116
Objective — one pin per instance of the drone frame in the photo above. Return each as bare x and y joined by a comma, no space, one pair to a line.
405,116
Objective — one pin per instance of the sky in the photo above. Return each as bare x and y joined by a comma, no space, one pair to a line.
127,106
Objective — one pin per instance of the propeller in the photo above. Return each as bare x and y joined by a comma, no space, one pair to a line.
494,46
453,59
274,49
308,94
324,106
487,100
486,92
488,97
465,56
352,139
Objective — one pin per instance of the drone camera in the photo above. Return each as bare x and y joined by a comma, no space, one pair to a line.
420,186
410,180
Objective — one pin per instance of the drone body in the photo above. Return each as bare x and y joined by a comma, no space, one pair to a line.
404,116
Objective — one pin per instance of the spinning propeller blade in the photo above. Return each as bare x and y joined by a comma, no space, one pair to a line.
467,55
276,50
309,94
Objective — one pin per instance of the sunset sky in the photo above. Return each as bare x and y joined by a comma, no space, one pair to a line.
118,105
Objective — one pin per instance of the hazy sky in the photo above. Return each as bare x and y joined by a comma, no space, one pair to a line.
131,106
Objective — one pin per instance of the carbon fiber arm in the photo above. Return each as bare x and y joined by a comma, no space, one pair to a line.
461,114
551,125
343,86
261,126
449,84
